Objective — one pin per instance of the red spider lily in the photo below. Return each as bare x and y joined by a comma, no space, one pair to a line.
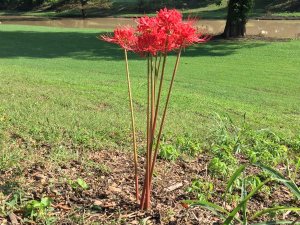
164,33
187,34
168,22
125,37
168,18
148,37
161,34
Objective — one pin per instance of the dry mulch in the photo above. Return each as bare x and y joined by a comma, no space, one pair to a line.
110,196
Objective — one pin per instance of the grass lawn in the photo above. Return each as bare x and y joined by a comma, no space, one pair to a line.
287,14
65,87
63,98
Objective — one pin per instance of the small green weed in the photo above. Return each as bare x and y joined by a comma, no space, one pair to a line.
202,189
78,184
37,209
11,204
229,141
168,152
218,168
249,186
188,145
181,146
297,168
247,183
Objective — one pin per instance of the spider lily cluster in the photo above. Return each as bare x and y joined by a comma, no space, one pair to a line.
153,38
161,34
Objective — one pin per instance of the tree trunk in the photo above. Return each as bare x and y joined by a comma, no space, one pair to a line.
26,4
234,29
236,19
83,3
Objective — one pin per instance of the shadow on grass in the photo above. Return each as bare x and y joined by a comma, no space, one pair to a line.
220,13
9,187
10,183
24,19
85,46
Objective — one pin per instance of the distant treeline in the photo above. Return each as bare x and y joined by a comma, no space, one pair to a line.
144,5
21,4
31,4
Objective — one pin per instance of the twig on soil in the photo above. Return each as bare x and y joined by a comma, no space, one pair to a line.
13,219
297,220
174,187
130,215
60,206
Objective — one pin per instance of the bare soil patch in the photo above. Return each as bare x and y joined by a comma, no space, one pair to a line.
110,196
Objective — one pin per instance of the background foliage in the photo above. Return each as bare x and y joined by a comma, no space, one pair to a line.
149,5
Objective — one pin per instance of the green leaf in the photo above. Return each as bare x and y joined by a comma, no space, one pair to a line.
278,176
46,201
238,208
274,209
243,196
82,183
208,205
277,222
217,210
234,177
36,204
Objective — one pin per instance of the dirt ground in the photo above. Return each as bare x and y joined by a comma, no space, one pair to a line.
110,196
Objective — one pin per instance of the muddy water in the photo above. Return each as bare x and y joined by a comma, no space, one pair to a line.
267,28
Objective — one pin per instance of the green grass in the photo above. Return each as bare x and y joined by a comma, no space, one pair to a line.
65,89
29,13
287,14
64,95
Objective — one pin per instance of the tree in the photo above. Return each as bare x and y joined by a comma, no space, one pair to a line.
237,16
83,3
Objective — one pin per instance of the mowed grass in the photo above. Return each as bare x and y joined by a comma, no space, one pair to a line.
65,89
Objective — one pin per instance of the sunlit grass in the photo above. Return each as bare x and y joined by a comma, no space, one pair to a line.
65,87
287,14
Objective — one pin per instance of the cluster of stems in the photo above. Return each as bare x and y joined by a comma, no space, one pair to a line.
155,77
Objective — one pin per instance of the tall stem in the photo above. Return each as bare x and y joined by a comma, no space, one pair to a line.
152,82
143,206
159,92
145,200
164,113
158,67
153,71
135,157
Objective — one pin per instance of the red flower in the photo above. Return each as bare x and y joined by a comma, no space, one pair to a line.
187,34
148,37
168,18
168,22
164,33
157,34
125,37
